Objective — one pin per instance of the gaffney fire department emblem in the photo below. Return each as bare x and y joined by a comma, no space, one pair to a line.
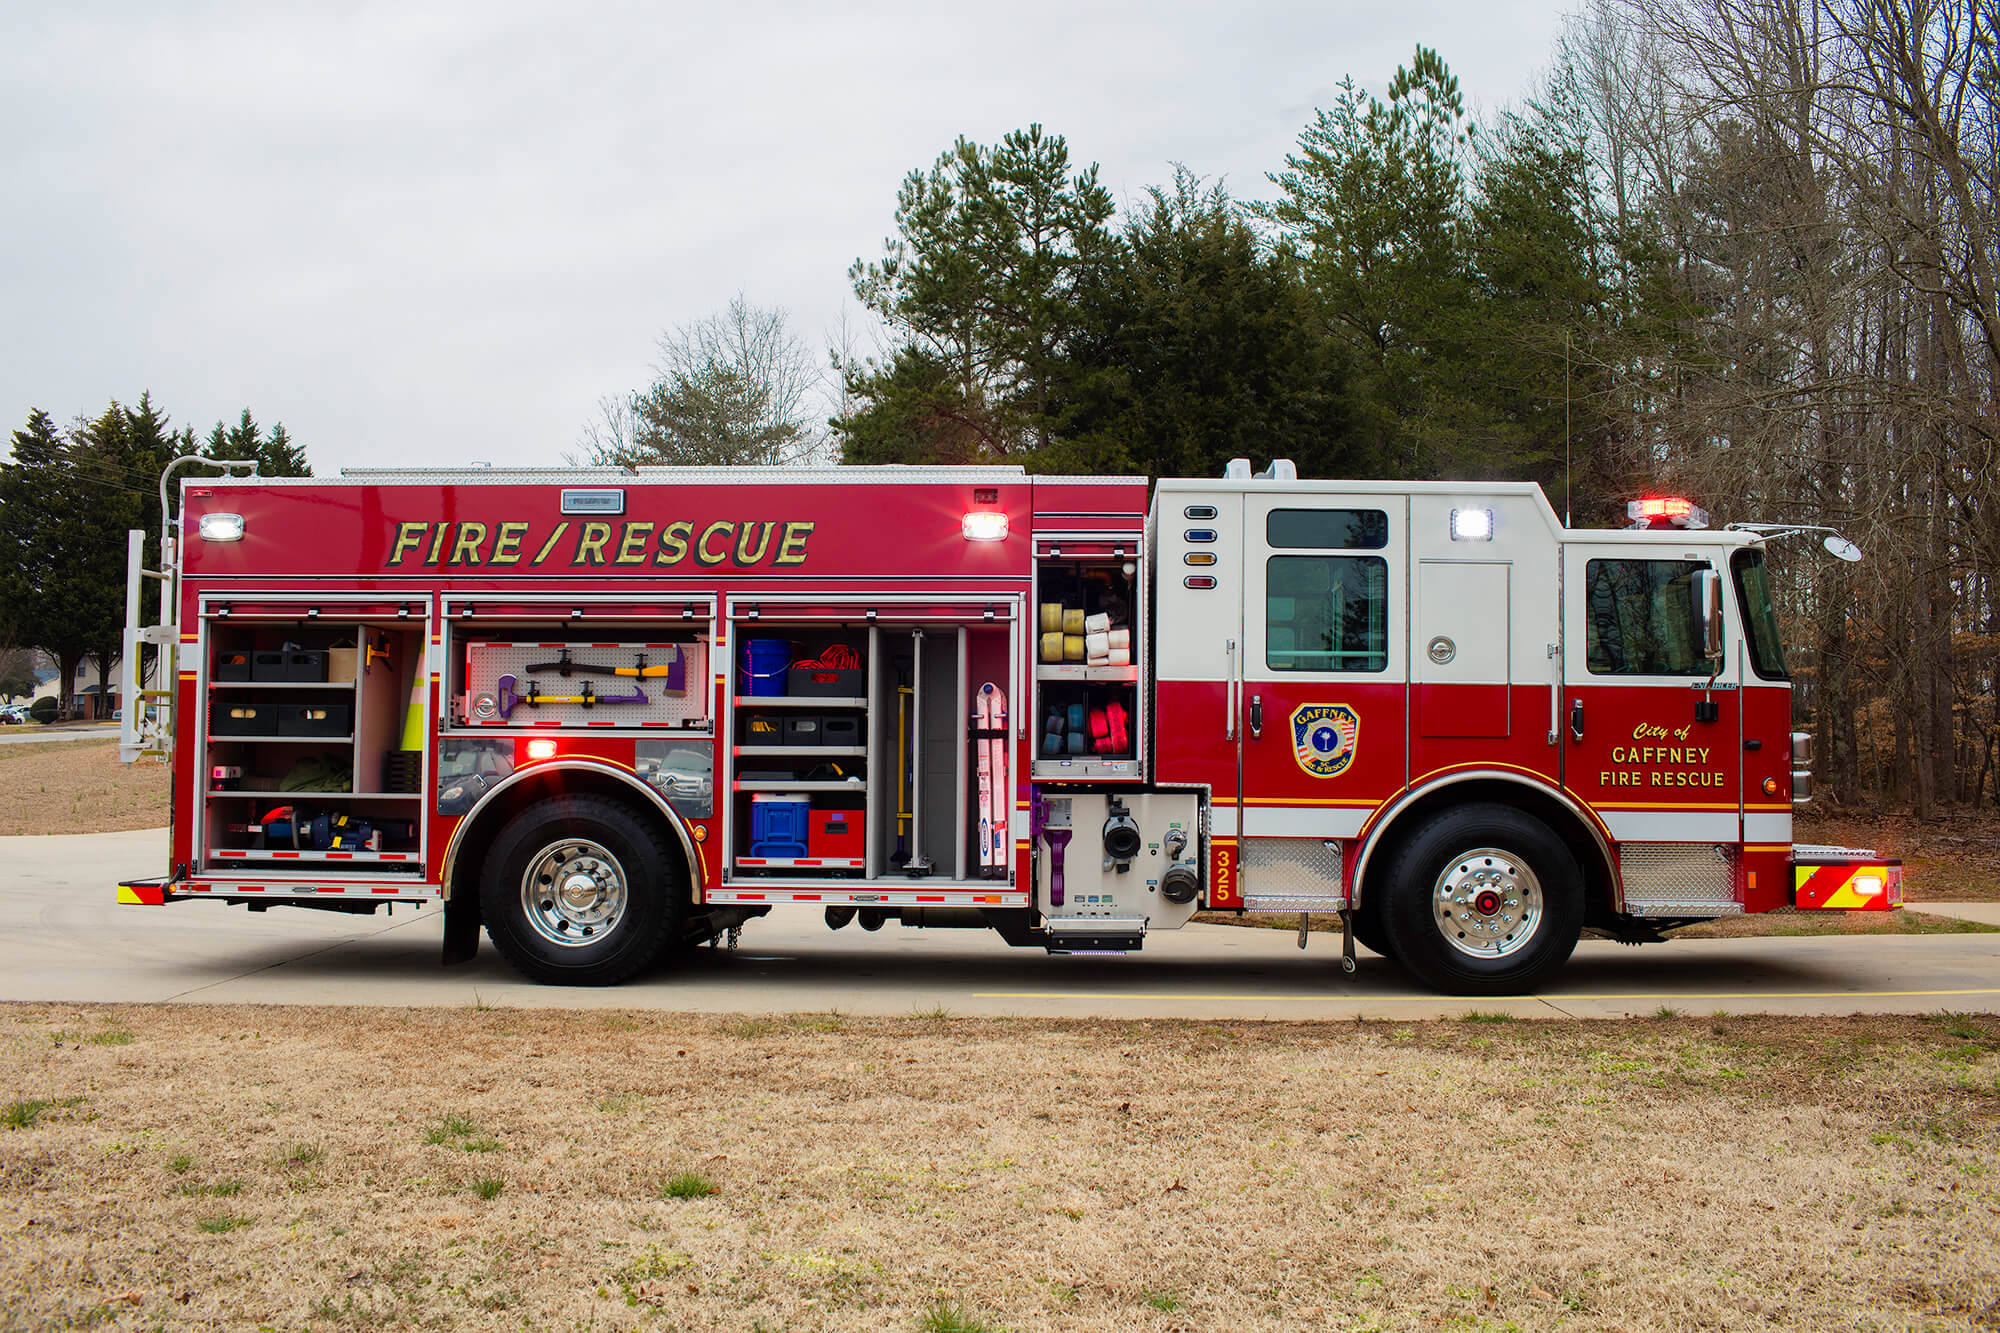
1324,738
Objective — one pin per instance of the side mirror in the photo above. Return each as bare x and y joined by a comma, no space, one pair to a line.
1708,609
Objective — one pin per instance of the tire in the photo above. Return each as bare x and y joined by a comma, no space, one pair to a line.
581,891
1483,900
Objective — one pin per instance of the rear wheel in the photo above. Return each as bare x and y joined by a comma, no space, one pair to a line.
1483,900
581,891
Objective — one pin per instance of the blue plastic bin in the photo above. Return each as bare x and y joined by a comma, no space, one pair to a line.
761,666
778,824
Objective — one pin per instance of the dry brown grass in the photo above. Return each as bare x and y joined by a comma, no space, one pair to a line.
322,1168
78,787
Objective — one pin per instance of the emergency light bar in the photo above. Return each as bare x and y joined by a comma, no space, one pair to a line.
1666,509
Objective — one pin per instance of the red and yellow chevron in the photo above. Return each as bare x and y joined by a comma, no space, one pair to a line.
1848,886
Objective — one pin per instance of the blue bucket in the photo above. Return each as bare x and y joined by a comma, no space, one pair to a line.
761,666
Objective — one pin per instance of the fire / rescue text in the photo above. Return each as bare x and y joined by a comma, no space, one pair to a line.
744,545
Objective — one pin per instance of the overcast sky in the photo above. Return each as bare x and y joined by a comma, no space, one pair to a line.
432,235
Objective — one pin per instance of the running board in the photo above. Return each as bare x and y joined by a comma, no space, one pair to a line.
1096,935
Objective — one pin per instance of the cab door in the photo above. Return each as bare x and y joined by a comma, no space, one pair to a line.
1324,689
1649,740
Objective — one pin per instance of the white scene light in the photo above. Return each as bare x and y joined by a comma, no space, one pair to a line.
984,526
1472,525
222,527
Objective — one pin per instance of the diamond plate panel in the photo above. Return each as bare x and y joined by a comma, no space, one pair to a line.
1291,874
1679,879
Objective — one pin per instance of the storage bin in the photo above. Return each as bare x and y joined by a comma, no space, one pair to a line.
778,824
305,665
763,729
315,719
234,718
762,665
825,682
232,665
838,729
802,729
268,665
341,661
834,833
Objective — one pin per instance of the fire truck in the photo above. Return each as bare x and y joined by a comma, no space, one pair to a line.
606,715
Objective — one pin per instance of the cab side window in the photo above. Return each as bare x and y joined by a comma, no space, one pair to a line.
1326,613
1639,618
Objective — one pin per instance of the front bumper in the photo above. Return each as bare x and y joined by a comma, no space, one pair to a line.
1845,879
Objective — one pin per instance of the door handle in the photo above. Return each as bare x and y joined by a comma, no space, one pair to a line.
1229,694
1576,720
1256,716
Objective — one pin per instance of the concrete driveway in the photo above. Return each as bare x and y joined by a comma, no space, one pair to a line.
63,938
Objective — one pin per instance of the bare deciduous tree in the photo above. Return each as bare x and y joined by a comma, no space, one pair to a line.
735,388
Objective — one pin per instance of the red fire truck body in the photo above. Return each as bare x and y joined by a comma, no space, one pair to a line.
601,713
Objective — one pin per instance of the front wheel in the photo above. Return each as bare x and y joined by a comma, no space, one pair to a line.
1483,900
580,891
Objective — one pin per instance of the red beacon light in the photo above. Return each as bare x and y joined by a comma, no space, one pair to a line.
1665,511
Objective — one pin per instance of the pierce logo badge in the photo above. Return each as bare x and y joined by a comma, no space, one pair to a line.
1324,738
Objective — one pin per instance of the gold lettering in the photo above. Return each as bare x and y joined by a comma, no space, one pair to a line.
745,558
704,556
792,546
590,539
409,536
632,547
465,550
550,544
437,541
507,543
673,543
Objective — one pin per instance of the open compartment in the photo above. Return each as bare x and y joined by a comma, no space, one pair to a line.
856,750
799,757
1089,653
313,727
527,677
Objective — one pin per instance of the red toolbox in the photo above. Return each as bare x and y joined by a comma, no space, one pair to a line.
834,834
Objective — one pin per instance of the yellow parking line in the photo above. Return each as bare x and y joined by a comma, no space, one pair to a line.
1561,995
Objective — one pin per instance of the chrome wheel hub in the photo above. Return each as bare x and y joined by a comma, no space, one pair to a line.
574,892
1487,903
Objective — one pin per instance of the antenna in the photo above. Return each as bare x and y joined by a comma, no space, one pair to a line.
1566,466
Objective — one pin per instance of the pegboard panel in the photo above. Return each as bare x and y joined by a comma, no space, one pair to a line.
504,680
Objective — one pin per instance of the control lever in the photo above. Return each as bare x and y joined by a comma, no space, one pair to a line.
1576,720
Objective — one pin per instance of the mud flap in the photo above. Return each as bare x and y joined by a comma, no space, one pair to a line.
461,929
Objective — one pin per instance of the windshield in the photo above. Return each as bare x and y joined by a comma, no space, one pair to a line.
1760,616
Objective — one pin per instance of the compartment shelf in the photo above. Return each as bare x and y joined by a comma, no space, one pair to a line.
802,784
318,795
779,751
1105,675
797,701
412,859
214,739
281,685
798,863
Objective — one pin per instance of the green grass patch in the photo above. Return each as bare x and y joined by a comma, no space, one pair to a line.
457,1131
942,1318
222,1223
218,1189
490,1187
24,1114
687,1185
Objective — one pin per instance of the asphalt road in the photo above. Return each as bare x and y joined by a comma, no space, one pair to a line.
63,938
